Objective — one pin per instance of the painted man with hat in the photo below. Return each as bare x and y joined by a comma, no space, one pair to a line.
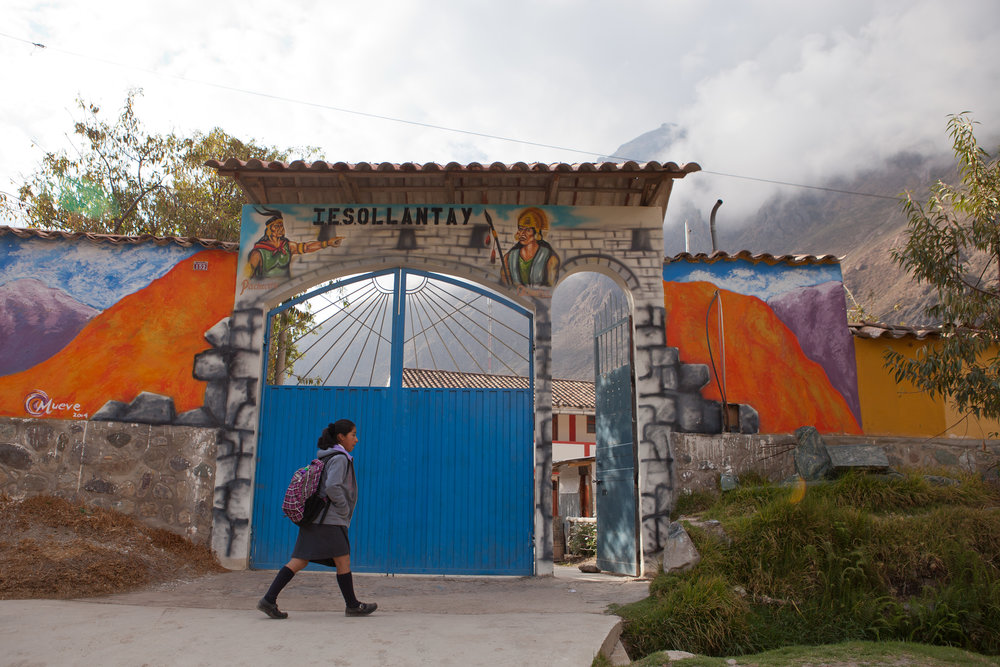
532,262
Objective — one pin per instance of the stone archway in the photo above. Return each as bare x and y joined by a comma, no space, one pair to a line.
618,228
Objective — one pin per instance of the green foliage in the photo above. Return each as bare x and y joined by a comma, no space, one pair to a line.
121,179
843,653
693,502
286,328
699,610
953,245
583,538
860,558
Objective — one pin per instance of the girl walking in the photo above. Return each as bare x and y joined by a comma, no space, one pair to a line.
325,540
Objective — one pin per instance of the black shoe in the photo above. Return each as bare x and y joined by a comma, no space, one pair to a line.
271,609
365,609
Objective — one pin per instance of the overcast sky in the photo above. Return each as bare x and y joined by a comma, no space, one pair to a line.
775,89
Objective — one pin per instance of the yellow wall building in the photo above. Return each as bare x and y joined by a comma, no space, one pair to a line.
891,409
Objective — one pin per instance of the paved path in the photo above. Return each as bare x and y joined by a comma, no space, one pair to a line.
420,621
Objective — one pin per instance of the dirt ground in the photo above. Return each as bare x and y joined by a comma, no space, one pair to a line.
52,548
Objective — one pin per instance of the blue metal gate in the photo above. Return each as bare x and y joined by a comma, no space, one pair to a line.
617,511
445,473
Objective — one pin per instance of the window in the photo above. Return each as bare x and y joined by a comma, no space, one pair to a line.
591,424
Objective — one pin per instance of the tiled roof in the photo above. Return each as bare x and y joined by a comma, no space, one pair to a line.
409,183
117,239
879,330
576,394
720,256
232,164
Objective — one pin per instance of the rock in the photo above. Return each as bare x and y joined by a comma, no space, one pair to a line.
866,458
674,656
679,552
218,336
210,365
938,480
149,408
590,568
728,482
111,411
15,456
749,419
713,528
197,417
812,460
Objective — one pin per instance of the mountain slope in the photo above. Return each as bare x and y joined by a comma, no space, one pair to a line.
36,321
154,325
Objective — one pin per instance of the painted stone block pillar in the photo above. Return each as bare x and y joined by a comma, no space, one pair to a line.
543,433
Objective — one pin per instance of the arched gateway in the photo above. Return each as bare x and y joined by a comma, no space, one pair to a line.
516,230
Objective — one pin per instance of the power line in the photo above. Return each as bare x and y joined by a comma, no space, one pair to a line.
799,185
432,126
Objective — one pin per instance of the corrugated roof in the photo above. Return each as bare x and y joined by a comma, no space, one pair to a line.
880,330
409,183
721,256
117,239
574,394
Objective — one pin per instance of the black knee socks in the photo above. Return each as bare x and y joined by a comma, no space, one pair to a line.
346,583
280,581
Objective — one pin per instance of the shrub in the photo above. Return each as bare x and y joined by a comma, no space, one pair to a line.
857,558
583,538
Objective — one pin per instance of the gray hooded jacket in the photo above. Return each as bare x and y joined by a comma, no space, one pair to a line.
340,486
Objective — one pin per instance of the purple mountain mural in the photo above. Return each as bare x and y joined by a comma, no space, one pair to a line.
817,316
36,321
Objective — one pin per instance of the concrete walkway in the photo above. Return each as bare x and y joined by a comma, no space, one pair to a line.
421,620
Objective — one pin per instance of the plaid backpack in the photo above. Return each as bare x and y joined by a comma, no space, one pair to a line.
304,499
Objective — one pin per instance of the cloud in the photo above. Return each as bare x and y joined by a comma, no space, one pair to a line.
812,105
777,89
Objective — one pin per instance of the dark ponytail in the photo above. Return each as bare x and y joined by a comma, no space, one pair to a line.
330,433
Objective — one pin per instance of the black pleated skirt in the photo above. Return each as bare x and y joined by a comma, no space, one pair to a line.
320,544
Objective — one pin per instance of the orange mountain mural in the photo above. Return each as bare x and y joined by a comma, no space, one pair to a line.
764,364
145,342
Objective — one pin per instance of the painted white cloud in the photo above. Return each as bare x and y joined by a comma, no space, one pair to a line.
760,282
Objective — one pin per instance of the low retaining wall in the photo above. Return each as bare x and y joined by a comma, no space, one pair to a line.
162,475
700,460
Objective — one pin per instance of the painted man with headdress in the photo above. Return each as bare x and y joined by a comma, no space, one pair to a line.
271,255
532,262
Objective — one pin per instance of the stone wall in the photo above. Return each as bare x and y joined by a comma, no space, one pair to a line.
162,475
700,460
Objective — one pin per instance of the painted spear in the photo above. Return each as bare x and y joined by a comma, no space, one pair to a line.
504,269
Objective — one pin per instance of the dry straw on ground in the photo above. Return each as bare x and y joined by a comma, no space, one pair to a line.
54,548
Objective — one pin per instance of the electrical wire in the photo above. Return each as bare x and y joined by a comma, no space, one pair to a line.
431,126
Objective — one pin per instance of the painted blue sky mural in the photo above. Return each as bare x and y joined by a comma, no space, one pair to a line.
98,279
760,280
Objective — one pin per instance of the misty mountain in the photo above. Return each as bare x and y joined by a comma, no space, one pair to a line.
652,145
861,230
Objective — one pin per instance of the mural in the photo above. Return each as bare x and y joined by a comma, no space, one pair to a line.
780,344
523,243
271,255
532,262
85,323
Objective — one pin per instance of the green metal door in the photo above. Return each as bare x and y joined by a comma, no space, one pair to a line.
617,510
